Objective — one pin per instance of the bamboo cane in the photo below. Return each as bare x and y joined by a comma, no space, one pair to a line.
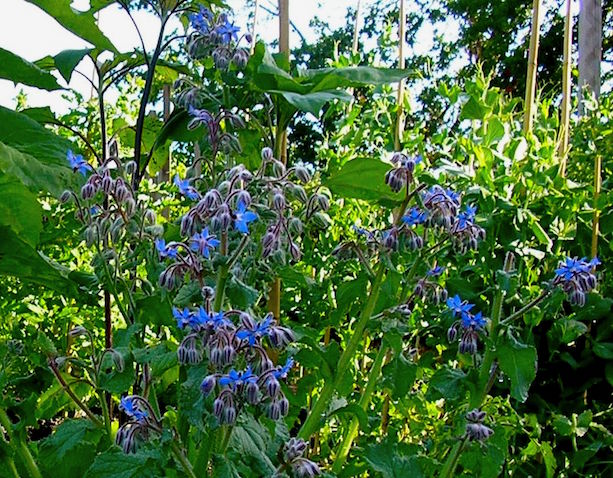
253,27
532,64
401,63
566,89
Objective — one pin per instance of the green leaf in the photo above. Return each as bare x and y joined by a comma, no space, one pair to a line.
114,463
386,460
518,361
70,450
603,350
446,383
18,70
327,78
67,60
355,410
42,115
153,310
363,178
82,24
20,210
399,376
240,294
474,109
312,102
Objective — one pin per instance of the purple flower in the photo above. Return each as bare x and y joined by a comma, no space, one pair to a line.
77,163
414,217
129,408
184,317
185,188
164,250
203,242
571,267
227,32
242,218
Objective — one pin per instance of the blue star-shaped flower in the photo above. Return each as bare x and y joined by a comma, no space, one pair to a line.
451,194
570,267
458,307
185,188
282,372
184,317
77,163
260,330
164,250
127,405
242,218
414,217
227,32
435,271
201,21
466,216
235,379
476,321
203,242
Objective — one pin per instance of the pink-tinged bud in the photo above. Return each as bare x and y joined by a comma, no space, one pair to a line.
88,191
278,201
295,252
302,174
218,407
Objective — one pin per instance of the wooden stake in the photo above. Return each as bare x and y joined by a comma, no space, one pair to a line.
253,27
566,89
532,64
356,30
400,113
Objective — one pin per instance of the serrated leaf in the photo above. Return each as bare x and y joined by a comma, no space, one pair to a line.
18,70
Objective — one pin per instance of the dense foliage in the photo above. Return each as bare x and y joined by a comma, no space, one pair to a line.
329,307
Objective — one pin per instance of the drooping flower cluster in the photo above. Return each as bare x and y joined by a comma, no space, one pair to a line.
576,278
216,36
293,455
428,288
219,138
141,423
475,429
107,205
471,325
402,174
243,373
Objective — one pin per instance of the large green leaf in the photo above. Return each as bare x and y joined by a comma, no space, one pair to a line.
82,24
18,70
518,361
33,154
70,450
386,460
312,102
114,463
19,259
20,210
363,178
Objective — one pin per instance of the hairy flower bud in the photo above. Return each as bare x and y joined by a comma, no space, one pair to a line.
267,154
208,384
65,197
252,393
88,191
302,174
278,201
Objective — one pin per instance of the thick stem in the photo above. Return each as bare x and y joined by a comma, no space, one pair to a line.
311,424
140,121
181,458
452,461
527,307
596,216
375,371
21,448
71,394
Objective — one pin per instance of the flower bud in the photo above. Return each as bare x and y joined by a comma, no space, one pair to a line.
208,384
278,201
323,202
267,154
252,393
77,331
278,168
294,251
88,191
284,406
229,415
274,412
302,174
295,226
150,216
65,197
218,407
272,387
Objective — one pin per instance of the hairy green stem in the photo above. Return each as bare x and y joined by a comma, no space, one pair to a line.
181,458
21,448
345,446
311,424
453,458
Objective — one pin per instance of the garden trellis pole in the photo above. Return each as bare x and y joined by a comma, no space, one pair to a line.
566,89
532,66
